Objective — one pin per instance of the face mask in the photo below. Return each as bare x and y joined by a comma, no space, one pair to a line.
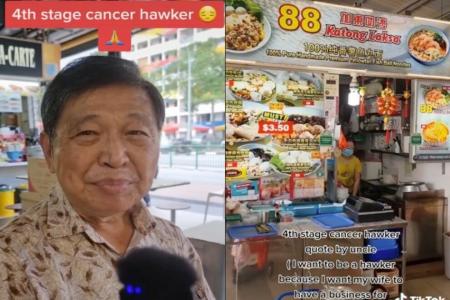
347,152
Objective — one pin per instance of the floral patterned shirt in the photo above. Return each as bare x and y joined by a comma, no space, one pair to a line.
50,252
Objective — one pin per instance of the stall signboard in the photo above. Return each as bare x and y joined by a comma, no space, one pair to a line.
432,120
274,125
20,58
2,14
10,102
315,34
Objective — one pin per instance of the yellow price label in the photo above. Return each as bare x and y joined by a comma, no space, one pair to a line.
315,155
276,106
291,18
426,109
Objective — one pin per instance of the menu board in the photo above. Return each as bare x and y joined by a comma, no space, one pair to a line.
314,34
274,123
430,140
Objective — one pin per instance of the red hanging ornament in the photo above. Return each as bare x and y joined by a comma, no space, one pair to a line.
362,93
406,96
387,106
387,137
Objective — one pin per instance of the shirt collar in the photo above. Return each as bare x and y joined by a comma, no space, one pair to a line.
63,220
142,219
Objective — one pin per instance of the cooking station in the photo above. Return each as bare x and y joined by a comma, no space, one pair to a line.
425,211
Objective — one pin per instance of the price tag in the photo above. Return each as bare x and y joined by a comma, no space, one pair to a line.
233,106
326,140
416,139
236,173
297,174
426,108
276,106
231,164
315,155
231,74
270,127
308,102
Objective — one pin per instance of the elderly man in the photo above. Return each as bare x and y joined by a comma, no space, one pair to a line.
102,124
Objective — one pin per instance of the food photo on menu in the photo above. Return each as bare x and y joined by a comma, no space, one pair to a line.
337,146
246,29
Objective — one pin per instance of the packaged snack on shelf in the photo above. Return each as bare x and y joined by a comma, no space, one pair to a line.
306,187
244,190
273,186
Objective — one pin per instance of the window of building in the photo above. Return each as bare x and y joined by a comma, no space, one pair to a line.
183,119
219,116
142,45
156,57
170,37
202,118
171,53
171,102
187,35
156,41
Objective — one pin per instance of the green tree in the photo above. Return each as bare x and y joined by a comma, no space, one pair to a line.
207,72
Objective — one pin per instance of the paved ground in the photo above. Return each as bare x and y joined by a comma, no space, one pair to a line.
201,183
194,194
186,219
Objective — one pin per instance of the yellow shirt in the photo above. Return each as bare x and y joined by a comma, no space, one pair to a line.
346,170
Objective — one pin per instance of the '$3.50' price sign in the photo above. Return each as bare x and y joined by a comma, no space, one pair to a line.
271,127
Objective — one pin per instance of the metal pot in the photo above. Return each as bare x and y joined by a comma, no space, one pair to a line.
412,186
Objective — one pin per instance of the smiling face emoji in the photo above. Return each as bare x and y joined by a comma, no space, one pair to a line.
207,13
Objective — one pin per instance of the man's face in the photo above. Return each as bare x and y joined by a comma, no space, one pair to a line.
106,150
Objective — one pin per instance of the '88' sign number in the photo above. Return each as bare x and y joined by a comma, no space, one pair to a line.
291,18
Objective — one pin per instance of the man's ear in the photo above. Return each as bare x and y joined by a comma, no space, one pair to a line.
44,140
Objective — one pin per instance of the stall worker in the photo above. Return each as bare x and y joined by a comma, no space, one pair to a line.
349,169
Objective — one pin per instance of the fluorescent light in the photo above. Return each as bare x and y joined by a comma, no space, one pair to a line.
338,69
353,95
343,6
428,76
432,20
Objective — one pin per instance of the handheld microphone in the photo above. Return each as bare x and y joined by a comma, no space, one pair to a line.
154,274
